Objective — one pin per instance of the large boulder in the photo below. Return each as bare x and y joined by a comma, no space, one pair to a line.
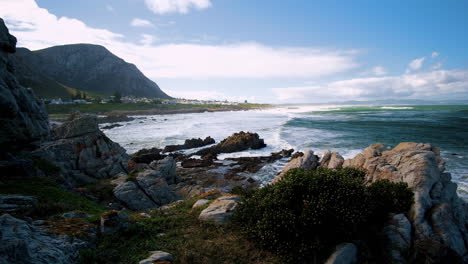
331,160
166,168
308,161
84,152
145,190
23,119
190,143
23,242
346,253
437,213
234,143
220,210
397,238
147,155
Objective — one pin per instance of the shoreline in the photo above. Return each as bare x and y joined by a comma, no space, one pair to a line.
181,110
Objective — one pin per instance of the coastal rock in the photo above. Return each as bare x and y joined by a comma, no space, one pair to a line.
397,238
114,221
22,242
190,143
23,120
437,213
346,253
220,210
73,215
114,118
166,168
14,202
146,190
200,203
331,160
157,257
234,143
147,155
308,161
83,152
195,163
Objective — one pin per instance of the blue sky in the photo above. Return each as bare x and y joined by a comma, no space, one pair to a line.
276,51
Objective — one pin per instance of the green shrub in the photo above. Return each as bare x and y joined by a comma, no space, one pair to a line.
307,213
391,197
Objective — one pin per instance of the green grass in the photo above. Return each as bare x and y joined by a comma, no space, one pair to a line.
53,199
179,232
102,108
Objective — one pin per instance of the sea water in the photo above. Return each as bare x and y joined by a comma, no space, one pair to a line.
342,128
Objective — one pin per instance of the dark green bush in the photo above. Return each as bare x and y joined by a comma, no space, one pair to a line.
307,213
391,197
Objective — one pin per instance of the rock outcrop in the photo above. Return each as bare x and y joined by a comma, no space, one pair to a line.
23,119
83,152
220,210
23,242
237,142
157,257
308,161
346,253
14,202
147,155
397,238
437,213
331,160
190,143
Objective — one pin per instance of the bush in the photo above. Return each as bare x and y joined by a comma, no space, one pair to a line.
307,213
391,197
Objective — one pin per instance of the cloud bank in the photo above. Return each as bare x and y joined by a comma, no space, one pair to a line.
138,22
176,6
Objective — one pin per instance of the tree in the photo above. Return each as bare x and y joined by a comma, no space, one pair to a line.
117,97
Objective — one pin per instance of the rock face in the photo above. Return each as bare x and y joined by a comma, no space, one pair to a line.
85,67
346,253
237,142
190,143
397,233
331,160
149,188
437,213
14,202
84,152
147,155
157,257
308,161
166,168
220,210
22,242
23,119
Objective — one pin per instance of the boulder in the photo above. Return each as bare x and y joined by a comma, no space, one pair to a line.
114,221
234,143
346,253
147,155
166,168
200,203
75,214
133,197
156,257
23,242
196,163
220,210
437,213
397,238
23,119
331,160
14,202
190,143
308,161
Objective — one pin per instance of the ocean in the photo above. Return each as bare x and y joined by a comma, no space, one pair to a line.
347,129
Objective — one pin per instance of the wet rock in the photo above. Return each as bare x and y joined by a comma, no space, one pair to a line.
14,202
437,213
346,253
308,161
190,143
147,155
195,163
156,257
237,142
22,242
114,221
220,210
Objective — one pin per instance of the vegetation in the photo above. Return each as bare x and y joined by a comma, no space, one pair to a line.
178,231
96,108
307,213
53,199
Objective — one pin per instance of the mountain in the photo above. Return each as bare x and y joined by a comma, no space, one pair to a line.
60,71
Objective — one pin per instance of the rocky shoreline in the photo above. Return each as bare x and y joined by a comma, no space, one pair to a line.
92,190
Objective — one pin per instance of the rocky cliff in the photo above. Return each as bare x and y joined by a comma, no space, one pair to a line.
23,119
86,67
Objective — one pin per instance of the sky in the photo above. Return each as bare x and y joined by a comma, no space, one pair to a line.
267,51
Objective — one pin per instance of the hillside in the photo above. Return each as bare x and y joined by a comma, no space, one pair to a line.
61,70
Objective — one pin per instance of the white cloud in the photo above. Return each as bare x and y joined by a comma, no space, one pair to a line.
421,85
36,28
435,54
176,6
110,8
415,64
377,71
147,39
138,22
437,66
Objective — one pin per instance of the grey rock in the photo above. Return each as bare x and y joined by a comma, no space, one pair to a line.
331,160
75,215
14,202
200,203
397,233
133,197
114,221
166,169
157,256
220,210
308,161
24,243
346,253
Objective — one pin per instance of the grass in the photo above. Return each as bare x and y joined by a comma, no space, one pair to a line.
103,108
53,199
179,232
